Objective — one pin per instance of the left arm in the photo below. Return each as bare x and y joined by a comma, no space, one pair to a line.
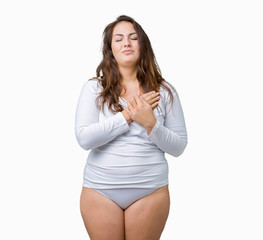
172,136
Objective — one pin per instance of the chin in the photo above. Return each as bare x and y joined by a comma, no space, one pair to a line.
130,62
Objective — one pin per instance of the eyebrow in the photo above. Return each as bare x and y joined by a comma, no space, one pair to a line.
118,34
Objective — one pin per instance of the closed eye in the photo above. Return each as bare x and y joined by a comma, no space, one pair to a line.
131,39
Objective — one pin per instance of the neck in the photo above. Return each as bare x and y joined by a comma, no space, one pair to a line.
129,75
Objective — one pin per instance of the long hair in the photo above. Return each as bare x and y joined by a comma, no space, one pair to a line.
148,71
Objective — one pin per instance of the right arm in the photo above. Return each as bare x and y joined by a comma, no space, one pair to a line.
89,131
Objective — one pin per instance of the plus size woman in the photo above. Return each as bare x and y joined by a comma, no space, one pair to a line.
128,116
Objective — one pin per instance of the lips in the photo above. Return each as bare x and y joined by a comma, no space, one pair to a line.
127,51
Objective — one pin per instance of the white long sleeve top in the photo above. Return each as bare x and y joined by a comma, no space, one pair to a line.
110,133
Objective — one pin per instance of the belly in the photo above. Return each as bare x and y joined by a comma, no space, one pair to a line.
109,171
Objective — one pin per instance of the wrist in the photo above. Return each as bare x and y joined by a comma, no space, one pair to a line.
149,127
126,116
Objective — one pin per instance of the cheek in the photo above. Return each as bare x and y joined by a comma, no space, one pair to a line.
115,49
138,50
137,46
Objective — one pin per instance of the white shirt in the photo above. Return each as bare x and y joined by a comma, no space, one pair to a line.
113,140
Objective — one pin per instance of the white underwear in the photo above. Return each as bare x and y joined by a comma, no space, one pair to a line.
124,197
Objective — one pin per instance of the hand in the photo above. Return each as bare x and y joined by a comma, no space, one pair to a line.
152,98
126,116
141,112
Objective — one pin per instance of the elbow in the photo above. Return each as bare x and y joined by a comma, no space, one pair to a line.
179,151
83,142
85,146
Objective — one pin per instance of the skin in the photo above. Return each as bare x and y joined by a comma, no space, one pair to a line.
144,219
125,39
141,112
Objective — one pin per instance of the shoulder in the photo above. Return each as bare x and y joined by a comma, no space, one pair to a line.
164,92
93,85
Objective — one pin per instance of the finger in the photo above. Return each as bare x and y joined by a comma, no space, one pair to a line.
138,100
129,105
154,105
145,95
132,102
154,100
155,95
129,110
143,101
151,96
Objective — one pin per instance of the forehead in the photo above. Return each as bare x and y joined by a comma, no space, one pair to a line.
123,28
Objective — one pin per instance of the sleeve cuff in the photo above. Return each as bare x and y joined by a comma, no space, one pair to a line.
122,120
155,129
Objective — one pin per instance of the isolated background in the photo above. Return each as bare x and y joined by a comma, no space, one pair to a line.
211,51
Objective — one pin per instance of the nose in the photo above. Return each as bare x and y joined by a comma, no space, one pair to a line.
127,43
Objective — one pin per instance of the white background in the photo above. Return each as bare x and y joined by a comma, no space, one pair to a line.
211,51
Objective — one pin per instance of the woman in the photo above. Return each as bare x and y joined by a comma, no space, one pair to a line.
129,116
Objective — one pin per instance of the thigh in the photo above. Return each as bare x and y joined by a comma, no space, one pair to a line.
145,219
103,218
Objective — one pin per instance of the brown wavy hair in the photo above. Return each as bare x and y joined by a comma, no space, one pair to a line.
148,71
